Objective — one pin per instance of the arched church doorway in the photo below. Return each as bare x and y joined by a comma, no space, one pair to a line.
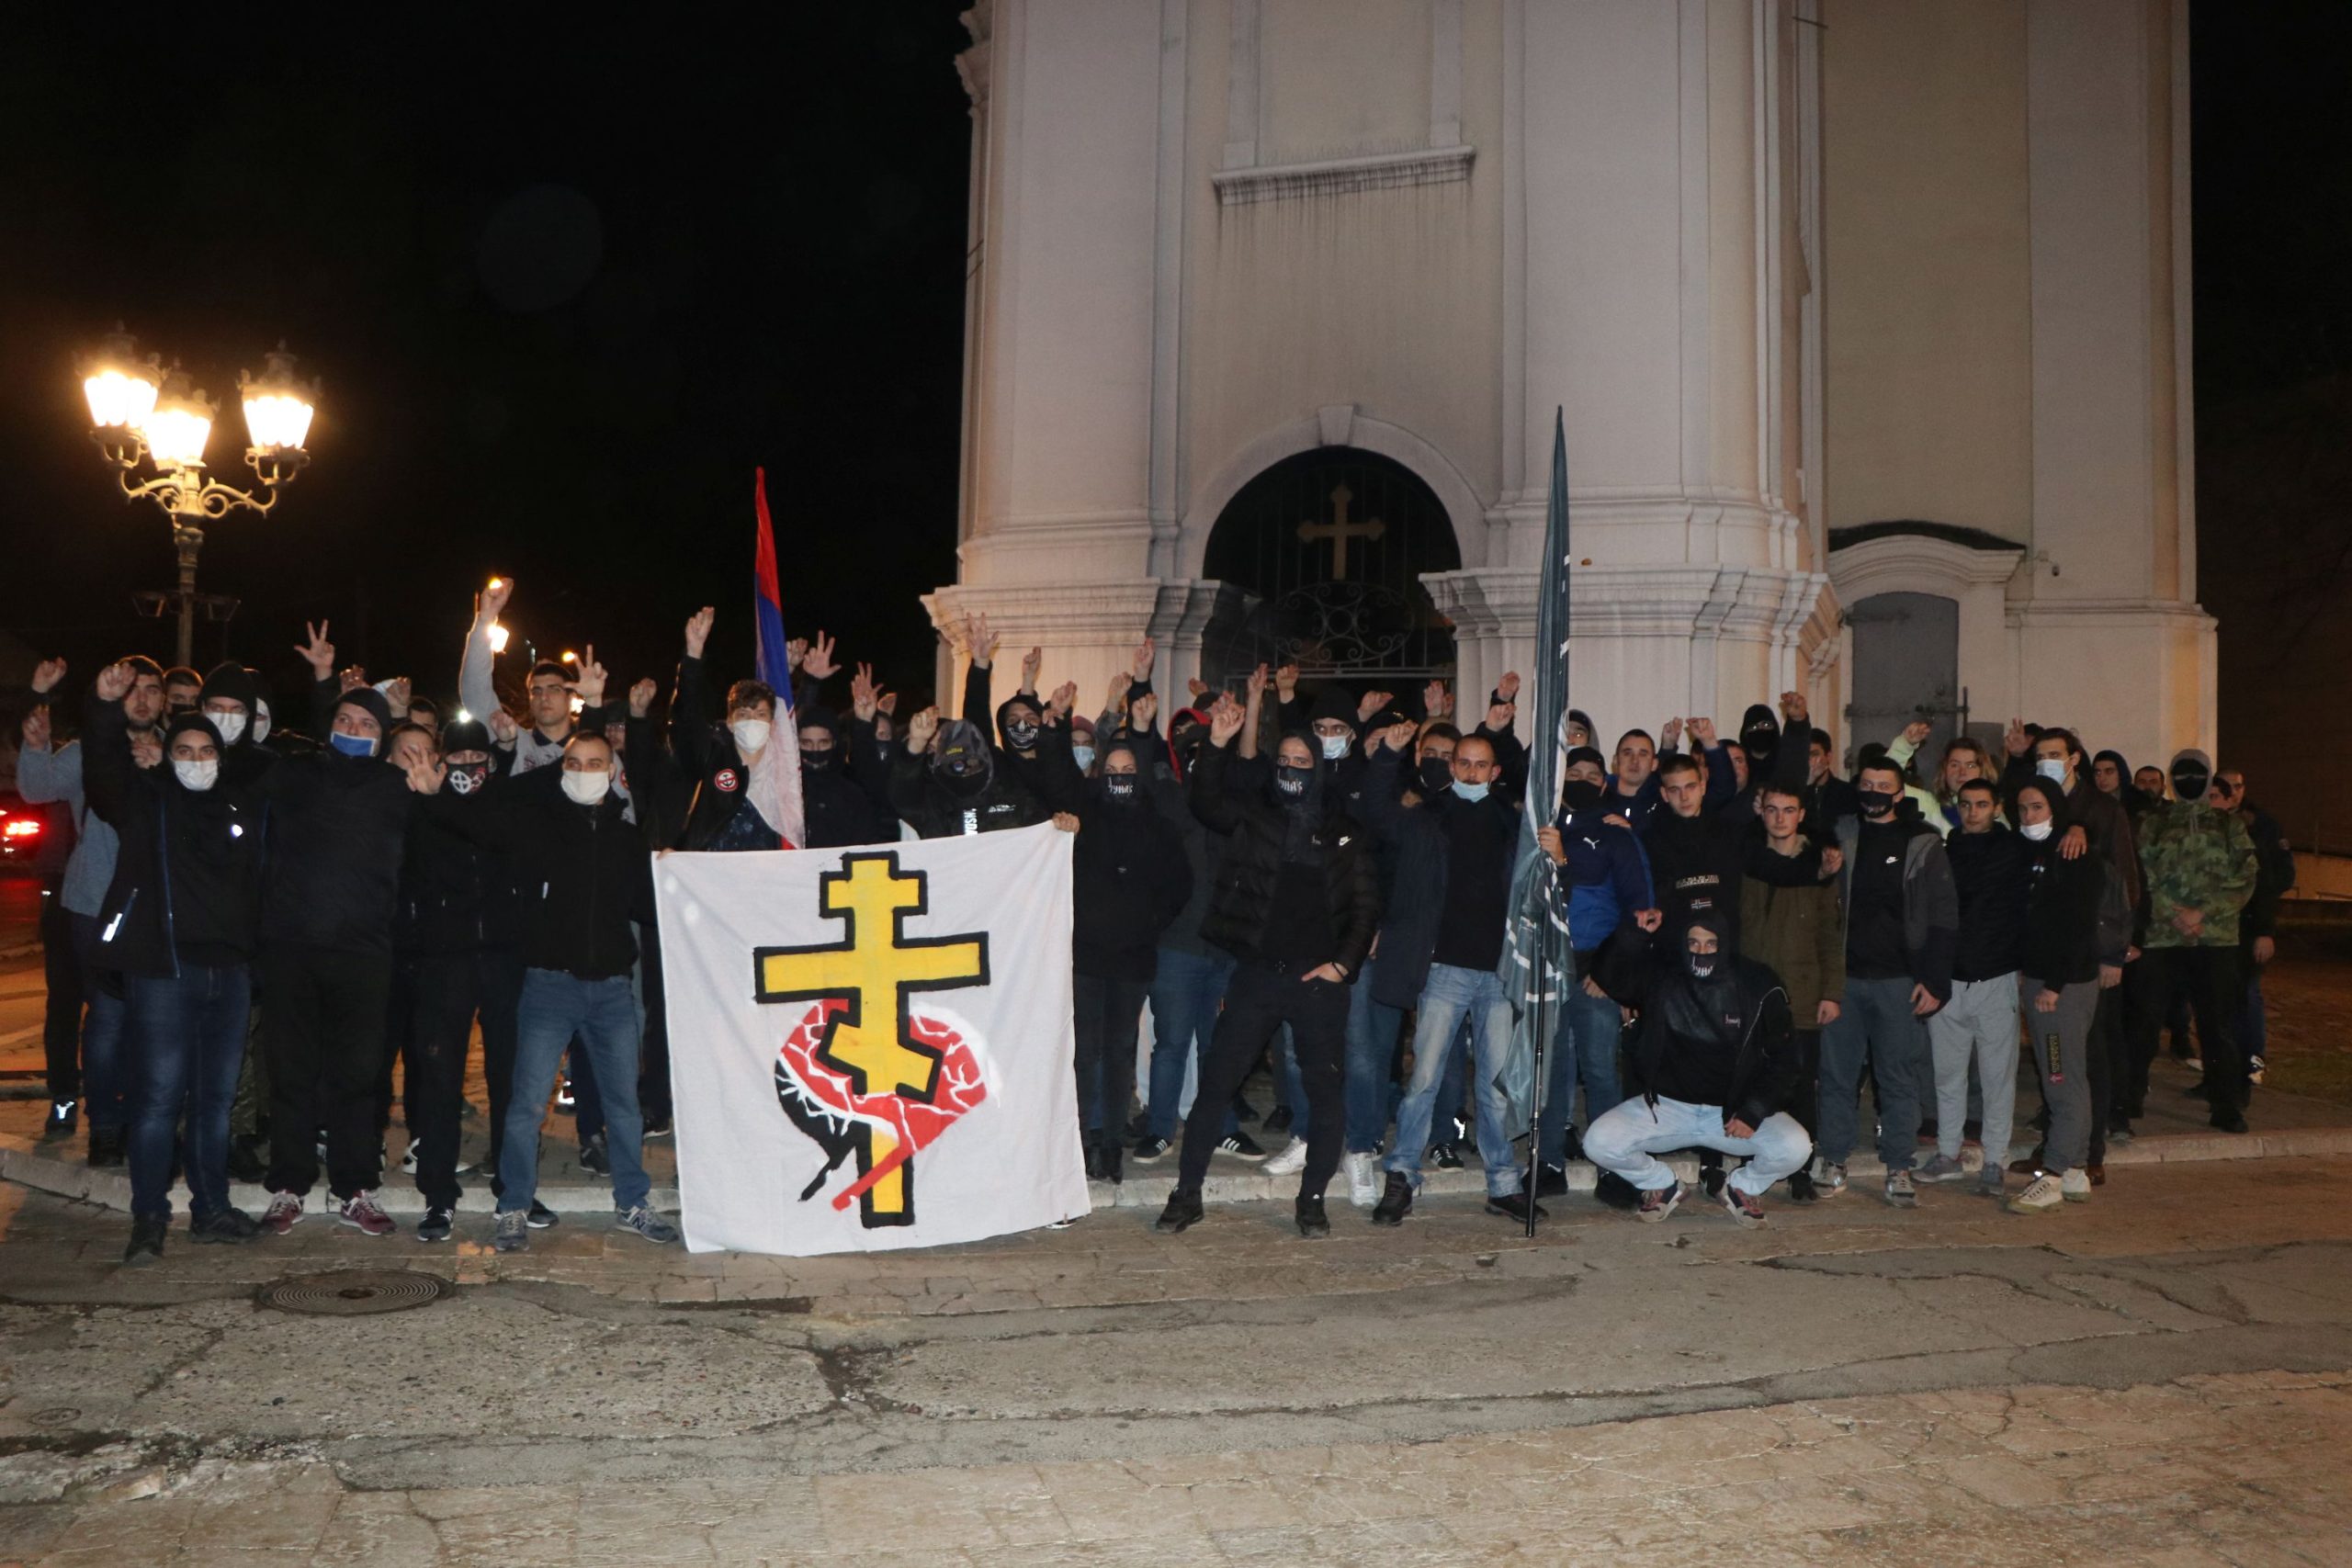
1330,544
1906,668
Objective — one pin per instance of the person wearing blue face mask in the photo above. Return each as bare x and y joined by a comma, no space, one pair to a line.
1441,948
338,827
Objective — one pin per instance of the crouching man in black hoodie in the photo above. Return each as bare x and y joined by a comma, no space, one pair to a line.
1715,1063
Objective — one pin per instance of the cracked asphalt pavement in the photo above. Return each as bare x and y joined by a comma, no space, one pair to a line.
2163,1375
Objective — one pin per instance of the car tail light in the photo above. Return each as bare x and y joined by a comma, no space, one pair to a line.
22,828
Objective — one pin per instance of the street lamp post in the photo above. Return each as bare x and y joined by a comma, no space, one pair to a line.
139,409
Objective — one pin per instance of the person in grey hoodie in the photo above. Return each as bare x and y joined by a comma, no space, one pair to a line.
46,776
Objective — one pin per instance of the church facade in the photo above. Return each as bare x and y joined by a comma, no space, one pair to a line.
1868,325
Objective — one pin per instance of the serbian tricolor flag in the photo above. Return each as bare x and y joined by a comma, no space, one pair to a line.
774,790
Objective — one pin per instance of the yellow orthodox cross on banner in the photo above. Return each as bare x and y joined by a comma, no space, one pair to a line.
873,972
1340,531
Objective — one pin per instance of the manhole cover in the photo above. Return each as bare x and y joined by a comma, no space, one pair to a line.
354,1292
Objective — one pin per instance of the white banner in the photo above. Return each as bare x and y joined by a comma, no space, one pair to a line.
870,1048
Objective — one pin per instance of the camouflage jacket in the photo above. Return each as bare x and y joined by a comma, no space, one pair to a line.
2194,857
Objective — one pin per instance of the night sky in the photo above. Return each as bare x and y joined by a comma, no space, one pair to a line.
567,288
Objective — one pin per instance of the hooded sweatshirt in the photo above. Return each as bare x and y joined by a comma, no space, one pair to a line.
2195,856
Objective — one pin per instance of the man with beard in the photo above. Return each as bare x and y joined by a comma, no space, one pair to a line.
1713,1067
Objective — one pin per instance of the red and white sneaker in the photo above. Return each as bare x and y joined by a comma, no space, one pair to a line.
1744,1208
284,1213
361,1213
1658,1202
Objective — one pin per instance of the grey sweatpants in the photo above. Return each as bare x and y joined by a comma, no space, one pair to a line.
2061,1049
1980,1025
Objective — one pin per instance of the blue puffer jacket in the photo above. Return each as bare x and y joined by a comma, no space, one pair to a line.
1607,876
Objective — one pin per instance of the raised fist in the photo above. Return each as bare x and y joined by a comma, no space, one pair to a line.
47,674
1224,721
113,683
641,697
919,730
698,630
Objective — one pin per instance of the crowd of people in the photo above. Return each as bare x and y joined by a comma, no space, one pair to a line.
256,926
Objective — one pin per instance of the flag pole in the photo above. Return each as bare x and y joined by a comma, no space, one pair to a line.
1551,667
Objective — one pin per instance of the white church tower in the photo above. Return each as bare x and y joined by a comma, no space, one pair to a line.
1869,321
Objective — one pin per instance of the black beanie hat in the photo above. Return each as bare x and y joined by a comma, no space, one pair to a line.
1333,701
183,723
815,718
465,735
1586,754
233,681
370,700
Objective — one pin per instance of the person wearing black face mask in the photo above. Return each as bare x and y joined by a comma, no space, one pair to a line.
460,925
1296,904
957,785
1604,880
1129,882
1441,948
1902,931
2201,870
837,806
1713,1065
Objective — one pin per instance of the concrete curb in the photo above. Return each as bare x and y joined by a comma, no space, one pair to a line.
58,1169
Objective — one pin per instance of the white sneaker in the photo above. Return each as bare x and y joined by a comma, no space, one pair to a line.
408,1160
1290,1161
1363,1179
2075,1186
2040,1195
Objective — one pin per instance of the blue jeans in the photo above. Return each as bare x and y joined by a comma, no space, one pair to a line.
1586,1041
1448,997
603,1014
1874,1021
1186,991
102,1026
1372,1049
184,1038
1627,1139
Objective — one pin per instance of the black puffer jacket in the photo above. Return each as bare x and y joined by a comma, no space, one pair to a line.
1131,880
1251,865
586,875
1740,1022
455,895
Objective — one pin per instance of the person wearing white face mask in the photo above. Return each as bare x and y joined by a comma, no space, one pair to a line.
180,923
729,768
228,700
566,835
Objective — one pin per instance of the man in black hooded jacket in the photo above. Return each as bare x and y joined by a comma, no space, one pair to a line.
1712,1064
1297,904
960,786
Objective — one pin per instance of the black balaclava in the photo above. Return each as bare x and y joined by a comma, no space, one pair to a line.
1030,722
1760,732
1187,733
1302,812
961,757
1698,1007
2192,775
1583,794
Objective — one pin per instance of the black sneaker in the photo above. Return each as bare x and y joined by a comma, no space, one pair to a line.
146,1241
1109,1152
105,1147
1710,1172
435,1226
1094,1162
1278,1120
1240,1144
1150,1149
1446,1155
1616,1191
64,1115
1395,1200
658,1126
1551,1181
542,1218
2227,1119
593,1157
1801,1189
1182,1213
1514,1206
228,1226
1312,1222
565,1101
